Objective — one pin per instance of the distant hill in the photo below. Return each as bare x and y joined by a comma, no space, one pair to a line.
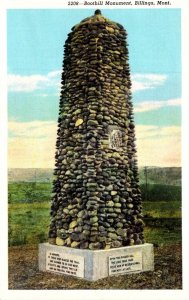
155,175
30,175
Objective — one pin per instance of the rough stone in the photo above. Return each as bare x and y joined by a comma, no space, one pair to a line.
78,122
73,224
96,194
113,193
75,244
59,242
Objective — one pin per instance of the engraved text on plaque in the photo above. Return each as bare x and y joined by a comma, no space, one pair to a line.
125,263
65,264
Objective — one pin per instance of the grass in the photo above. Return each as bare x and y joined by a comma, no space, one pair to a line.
162,235
157,192
162,209
24,192
41,191
28,223
29,206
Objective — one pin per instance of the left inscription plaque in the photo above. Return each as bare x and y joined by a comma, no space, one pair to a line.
65,264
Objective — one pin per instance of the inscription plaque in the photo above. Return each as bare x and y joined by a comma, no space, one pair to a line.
115,138
125,263
65,264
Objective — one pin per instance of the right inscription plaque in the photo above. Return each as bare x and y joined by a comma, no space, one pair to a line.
125,263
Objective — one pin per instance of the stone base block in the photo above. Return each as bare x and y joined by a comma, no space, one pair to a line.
95,264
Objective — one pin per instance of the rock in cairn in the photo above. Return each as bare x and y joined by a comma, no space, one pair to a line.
96,201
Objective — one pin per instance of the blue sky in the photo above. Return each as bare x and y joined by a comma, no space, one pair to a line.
35,54
38,37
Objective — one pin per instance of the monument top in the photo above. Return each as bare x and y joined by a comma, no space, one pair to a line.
98,12
97,18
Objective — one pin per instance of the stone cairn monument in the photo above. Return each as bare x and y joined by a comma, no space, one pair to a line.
96,203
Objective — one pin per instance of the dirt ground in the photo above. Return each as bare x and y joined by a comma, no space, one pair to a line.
24,273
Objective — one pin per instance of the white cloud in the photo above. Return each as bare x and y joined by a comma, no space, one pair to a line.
31,153
147,81
152,131
54,73
37,129
158,146
174,102
32,144
30,83
152,105
18,83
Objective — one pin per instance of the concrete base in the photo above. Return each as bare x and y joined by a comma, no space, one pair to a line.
95,264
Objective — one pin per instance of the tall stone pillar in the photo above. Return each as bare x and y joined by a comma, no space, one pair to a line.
96,201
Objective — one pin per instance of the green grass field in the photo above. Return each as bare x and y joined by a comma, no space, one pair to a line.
28,223
40,191
29,218
162,209
23,192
